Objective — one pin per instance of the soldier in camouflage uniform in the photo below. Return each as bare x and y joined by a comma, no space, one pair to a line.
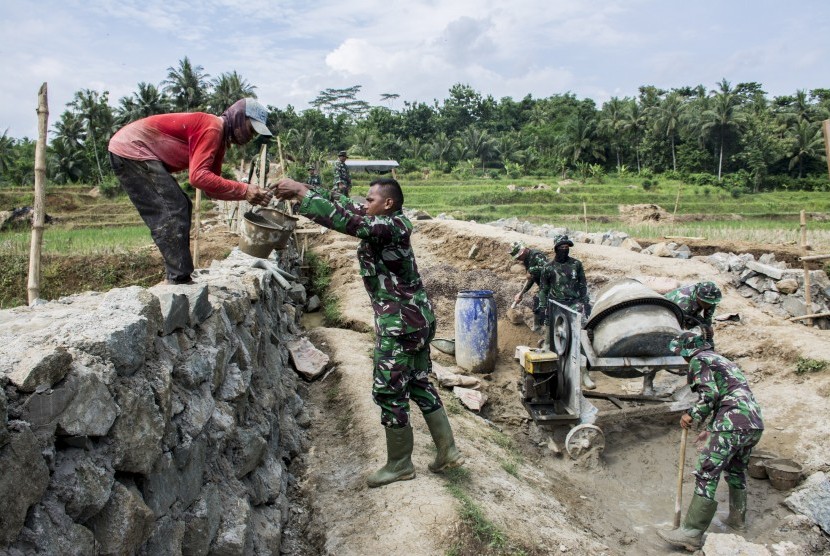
404,319
563,280
342,178
735,428
698,302
534,262
313,177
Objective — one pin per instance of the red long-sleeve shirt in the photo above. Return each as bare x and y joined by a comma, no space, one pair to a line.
182,141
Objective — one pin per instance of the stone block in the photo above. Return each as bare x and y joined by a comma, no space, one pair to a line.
49,530
200,307
794,306
235,534
92,410
124,523
812,499
161,485
765,269
309,361
771,297
122,338
23,480
137,432
197,368
267,482
235,385
787,286
297,294
4,419
40,366
175,308
165,539
718,544
247,451
198,407
82,481
202,522
719,260
191,462
267,524
313,304
631,244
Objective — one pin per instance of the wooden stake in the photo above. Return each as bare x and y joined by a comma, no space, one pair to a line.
680,464
804,230
198,227
38,218
813,316
585,214
808,296
677,200
825,125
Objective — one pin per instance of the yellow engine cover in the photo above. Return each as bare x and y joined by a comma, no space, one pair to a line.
538,361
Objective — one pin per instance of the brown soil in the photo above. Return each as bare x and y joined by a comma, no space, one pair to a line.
541,501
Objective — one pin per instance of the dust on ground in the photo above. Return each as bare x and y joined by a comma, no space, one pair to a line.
543,503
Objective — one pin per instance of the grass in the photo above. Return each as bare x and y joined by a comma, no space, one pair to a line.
807,365
320,281
79,241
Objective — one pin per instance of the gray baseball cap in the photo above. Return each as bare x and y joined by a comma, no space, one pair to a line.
258,116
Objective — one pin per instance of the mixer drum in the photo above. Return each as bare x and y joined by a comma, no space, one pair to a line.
631,320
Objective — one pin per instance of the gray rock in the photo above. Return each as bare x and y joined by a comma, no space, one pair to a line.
795,307
812,499
191,461
267,482
719,260
175,308
313,304
787,286
309,361
267,524
197,368
136,434
44,365
234,537
631,244
767,270
297,293
771,297
247,451
236,383
82,482
49,530
202,522
198,407
161,485
92,410
166,538
23,480
718,544
4,419
736,262
200,307
125,522
134,300
119,337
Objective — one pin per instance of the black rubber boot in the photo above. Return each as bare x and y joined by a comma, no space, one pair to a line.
398,458
690,534
448,455
737,509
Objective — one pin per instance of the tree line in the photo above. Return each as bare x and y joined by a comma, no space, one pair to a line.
732,135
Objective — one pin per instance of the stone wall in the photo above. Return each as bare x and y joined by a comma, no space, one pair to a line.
151,421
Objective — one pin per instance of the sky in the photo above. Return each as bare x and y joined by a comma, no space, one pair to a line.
418,49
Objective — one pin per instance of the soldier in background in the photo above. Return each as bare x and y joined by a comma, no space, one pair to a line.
698,302
534,262
342,178
313,177
404,318
563,280
735,427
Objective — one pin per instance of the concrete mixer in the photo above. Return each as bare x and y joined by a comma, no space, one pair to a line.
626,336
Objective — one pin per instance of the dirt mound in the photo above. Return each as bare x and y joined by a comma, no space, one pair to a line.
633,214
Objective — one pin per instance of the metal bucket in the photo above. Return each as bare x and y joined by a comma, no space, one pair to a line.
286,221
631,320
259,236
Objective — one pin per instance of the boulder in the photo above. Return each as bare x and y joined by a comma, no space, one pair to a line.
787,286
765,269
82,481
202,522
23,480
234,537
125,522
136,434
812,499
718,544
41,365
309,361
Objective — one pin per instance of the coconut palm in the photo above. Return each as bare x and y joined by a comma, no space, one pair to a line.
187,85
227,89
634,124
580,138
66,162
443,147
6,152
722,116
668,117
93,109
806,142
612,121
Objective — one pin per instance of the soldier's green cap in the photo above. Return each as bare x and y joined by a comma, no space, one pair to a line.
516,249
687,344
343,153
709,292
562,240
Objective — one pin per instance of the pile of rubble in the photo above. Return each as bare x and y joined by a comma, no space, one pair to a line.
774,287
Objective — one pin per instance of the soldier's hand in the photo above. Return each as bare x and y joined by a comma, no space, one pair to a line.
686,421
517,298
701,439
258,196
290,189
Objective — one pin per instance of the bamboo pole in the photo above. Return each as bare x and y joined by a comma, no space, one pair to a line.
814,258
676,201
38,218
804,230
808,296
825,125
813,316
585,214
198,227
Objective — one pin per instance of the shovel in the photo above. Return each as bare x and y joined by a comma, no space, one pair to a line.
680,465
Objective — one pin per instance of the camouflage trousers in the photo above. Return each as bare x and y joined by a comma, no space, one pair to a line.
402,367
725,452
342,188
539,311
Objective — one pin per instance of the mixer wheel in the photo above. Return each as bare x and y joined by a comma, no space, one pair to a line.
585,441
561,332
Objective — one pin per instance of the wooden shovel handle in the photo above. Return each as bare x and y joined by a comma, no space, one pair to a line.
680,465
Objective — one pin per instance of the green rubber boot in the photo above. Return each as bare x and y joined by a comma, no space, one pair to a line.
737,509
398,458
448,455
690,534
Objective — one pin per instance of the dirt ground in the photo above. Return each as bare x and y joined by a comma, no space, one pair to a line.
543,502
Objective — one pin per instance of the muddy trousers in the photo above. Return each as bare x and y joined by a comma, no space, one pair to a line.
401,372
725,452
164,207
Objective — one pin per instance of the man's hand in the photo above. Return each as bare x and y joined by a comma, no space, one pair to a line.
290,189
686,421
517,298
258,196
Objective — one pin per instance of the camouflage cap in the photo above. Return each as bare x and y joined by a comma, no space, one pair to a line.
708,292
687,344
562,240
516,249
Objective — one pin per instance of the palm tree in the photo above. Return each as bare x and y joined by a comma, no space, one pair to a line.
579,140
148,100
6,152
722,116
67,163
96,114
187,85
477,143
227,89
634,123
668,116
443,147
70,130
806,142
612,121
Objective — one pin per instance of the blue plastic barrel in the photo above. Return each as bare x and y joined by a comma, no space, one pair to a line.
476,340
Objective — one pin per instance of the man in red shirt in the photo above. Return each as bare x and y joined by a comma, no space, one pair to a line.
144,153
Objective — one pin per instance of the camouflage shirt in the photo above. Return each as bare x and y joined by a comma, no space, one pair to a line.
314,181
723,393
535,262
564,282
387,262
693,313
342,178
